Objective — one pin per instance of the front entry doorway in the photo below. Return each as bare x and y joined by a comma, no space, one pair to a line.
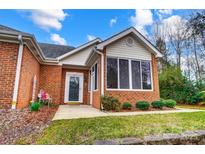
74,87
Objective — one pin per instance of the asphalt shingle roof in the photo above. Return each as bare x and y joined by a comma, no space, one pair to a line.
53,50
49,50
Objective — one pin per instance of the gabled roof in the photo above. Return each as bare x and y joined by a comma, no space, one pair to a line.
52,53
130,30
95,41
53,50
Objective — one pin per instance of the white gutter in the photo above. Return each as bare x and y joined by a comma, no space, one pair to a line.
102,70
18,70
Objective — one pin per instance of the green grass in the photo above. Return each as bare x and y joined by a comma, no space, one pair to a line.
191,106
86,131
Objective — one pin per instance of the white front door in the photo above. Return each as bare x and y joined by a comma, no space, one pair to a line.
74,87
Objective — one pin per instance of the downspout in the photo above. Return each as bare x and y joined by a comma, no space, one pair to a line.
18,70
102,72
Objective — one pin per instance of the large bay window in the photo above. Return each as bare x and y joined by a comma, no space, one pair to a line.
128,74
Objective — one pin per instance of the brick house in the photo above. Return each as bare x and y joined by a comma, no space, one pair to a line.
123,66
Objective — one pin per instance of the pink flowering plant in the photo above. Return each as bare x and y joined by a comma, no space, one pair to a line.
44,97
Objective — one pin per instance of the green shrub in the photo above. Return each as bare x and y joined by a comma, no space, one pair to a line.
158,104
142,105
34,106
110,103
202,96
126,105
170,103
174,85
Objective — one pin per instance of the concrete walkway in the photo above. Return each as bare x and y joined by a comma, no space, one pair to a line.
86,111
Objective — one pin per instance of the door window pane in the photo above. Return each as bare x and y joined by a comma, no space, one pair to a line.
112,79
146,75
124,73
136,75
74,89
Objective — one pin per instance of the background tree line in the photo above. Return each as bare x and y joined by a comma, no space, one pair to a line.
182,68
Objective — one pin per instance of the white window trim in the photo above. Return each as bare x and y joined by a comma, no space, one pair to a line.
130,73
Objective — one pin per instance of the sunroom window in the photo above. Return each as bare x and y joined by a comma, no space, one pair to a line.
136,74
124,73
112,73
146,75
128,74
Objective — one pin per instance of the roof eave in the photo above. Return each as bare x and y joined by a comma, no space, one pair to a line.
31,38
79,48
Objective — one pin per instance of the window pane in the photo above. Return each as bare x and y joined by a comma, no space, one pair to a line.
96,75
146,75
136,77
112,73
124,74
74,89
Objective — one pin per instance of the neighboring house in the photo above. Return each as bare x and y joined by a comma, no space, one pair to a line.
123,66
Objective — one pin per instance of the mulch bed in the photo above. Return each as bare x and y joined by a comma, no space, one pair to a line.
17,124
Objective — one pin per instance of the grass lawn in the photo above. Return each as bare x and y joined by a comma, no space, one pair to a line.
191,106
86,131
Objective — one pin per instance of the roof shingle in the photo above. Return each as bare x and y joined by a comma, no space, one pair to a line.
53,50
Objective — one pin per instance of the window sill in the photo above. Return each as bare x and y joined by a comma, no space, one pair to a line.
139,90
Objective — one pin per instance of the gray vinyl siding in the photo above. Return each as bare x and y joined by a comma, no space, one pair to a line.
121,49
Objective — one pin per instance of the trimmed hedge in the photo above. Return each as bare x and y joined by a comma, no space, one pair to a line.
157,104
142,105
170,103
126,105
110,103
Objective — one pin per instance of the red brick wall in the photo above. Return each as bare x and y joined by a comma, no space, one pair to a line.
50,81
29,68
8,60
85,84
97,93
134,96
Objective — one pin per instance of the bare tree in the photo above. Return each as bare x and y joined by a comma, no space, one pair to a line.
196,29
159,38
177,36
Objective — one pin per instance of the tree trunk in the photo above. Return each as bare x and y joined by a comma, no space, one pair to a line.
196,58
